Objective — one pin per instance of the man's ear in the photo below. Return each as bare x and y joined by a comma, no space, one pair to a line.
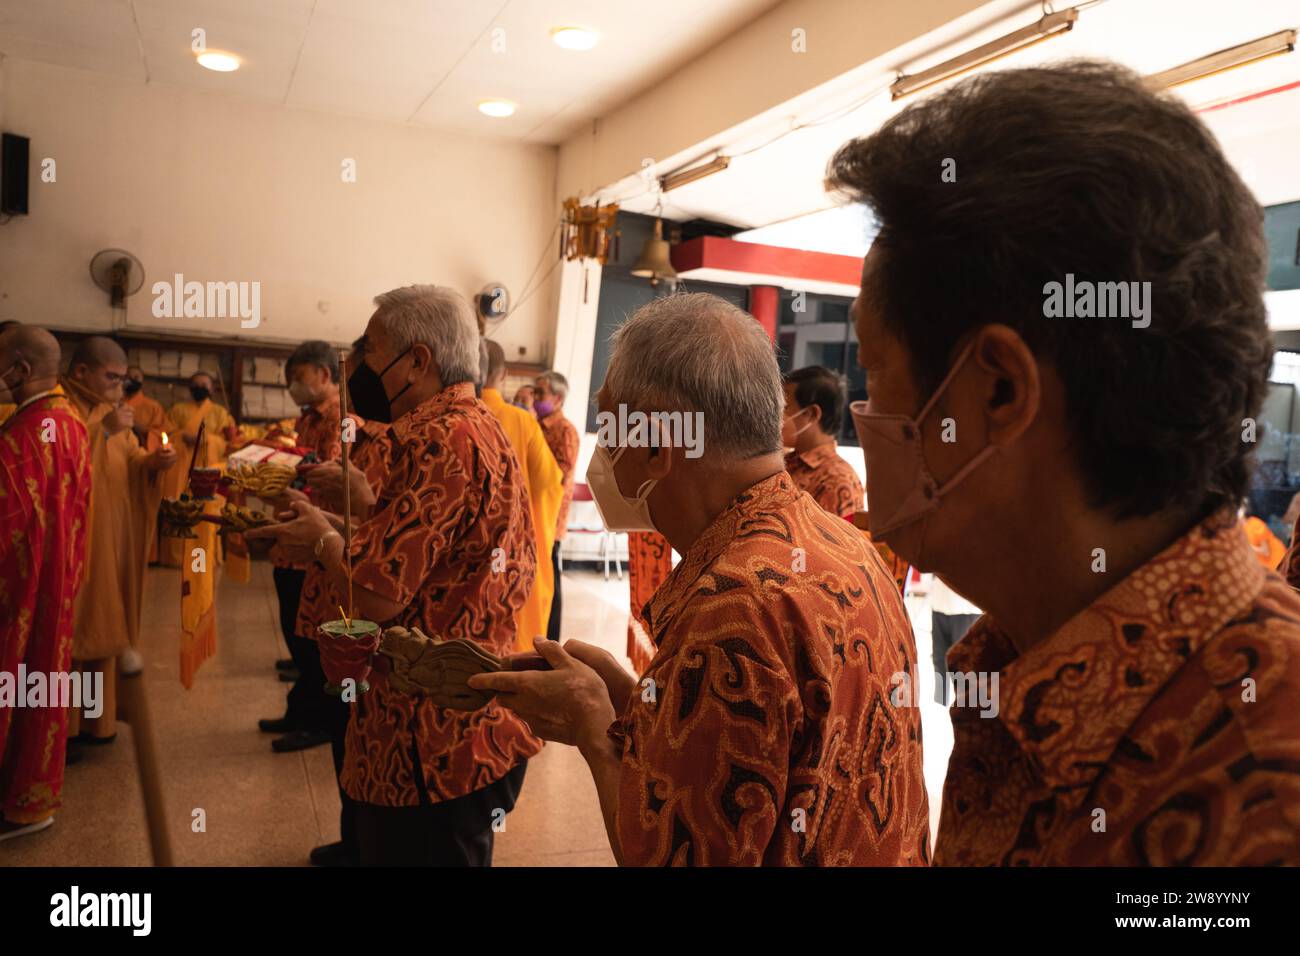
421,358
659,461
1012,389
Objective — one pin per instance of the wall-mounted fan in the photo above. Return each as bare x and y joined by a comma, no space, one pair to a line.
118,273
493,303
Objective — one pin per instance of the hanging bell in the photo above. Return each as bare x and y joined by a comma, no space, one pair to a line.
655,263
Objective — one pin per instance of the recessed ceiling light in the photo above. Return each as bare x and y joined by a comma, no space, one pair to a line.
219,61
575,38
496,108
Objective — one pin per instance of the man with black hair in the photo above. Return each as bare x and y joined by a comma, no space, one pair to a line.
814,411
1076,471
312,371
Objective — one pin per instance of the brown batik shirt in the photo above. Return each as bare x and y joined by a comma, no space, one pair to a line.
764,730
828,478
1159,726
451,541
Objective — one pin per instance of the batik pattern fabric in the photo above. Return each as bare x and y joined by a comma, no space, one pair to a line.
320,431
44,505
649,562
368,461
1157,727
826,476
450,541
562,438
767,730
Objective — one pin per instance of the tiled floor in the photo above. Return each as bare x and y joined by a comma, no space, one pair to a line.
269,809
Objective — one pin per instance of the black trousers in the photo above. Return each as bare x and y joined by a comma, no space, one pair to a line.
553,624
450,833
307,707
338,714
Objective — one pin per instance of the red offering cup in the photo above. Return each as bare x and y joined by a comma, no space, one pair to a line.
346,648
203,482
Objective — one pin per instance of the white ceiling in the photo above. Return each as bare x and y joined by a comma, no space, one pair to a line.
426,62
775,180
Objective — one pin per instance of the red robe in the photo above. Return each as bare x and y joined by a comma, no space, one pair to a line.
44,497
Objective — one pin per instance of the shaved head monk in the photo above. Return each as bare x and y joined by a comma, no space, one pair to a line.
44,498
124,505
763,731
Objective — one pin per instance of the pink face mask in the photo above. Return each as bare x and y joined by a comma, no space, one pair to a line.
900,488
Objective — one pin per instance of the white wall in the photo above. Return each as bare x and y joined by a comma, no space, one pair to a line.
225,189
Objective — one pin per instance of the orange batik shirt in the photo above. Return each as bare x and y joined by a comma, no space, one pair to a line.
1159,726
562,438
319,430
450,540
828,478
44,504
368,462
769,734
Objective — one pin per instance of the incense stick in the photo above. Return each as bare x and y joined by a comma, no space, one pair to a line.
194,456
347,485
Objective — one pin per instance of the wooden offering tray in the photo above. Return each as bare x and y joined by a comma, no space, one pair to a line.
178,516
440,669
238,519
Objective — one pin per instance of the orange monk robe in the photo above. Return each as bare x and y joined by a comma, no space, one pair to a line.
184,418
1266,545
149,418
124,498
545,494
6,411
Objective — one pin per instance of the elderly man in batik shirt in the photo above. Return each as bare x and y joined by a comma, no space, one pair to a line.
447,548
769,728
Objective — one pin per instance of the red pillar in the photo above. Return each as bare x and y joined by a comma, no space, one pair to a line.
764,304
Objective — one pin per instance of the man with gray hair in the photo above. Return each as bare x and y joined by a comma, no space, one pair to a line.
448,548
766,730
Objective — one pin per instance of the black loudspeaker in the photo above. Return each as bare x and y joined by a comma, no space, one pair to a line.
14,153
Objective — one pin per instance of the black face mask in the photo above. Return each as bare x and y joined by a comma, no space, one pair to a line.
199,393
369,397
131,386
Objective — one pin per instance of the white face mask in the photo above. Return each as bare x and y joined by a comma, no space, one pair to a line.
618,512
302,393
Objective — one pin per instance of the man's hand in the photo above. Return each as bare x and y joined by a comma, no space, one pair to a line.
326,483
620,684
161,458
568,704
305,525
119,419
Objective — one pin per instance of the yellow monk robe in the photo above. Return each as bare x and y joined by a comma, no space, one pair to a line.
198,595
150,418
184,418
124,498
545,494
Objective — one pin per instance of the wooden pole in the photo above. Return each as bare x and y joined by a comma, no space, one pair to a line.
135,704
347,483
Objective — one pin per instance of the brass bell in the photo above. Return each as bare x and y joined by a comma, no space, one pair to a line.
655,263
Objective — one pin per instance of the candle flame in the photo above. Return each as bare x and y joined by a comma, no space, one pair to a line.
164,439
